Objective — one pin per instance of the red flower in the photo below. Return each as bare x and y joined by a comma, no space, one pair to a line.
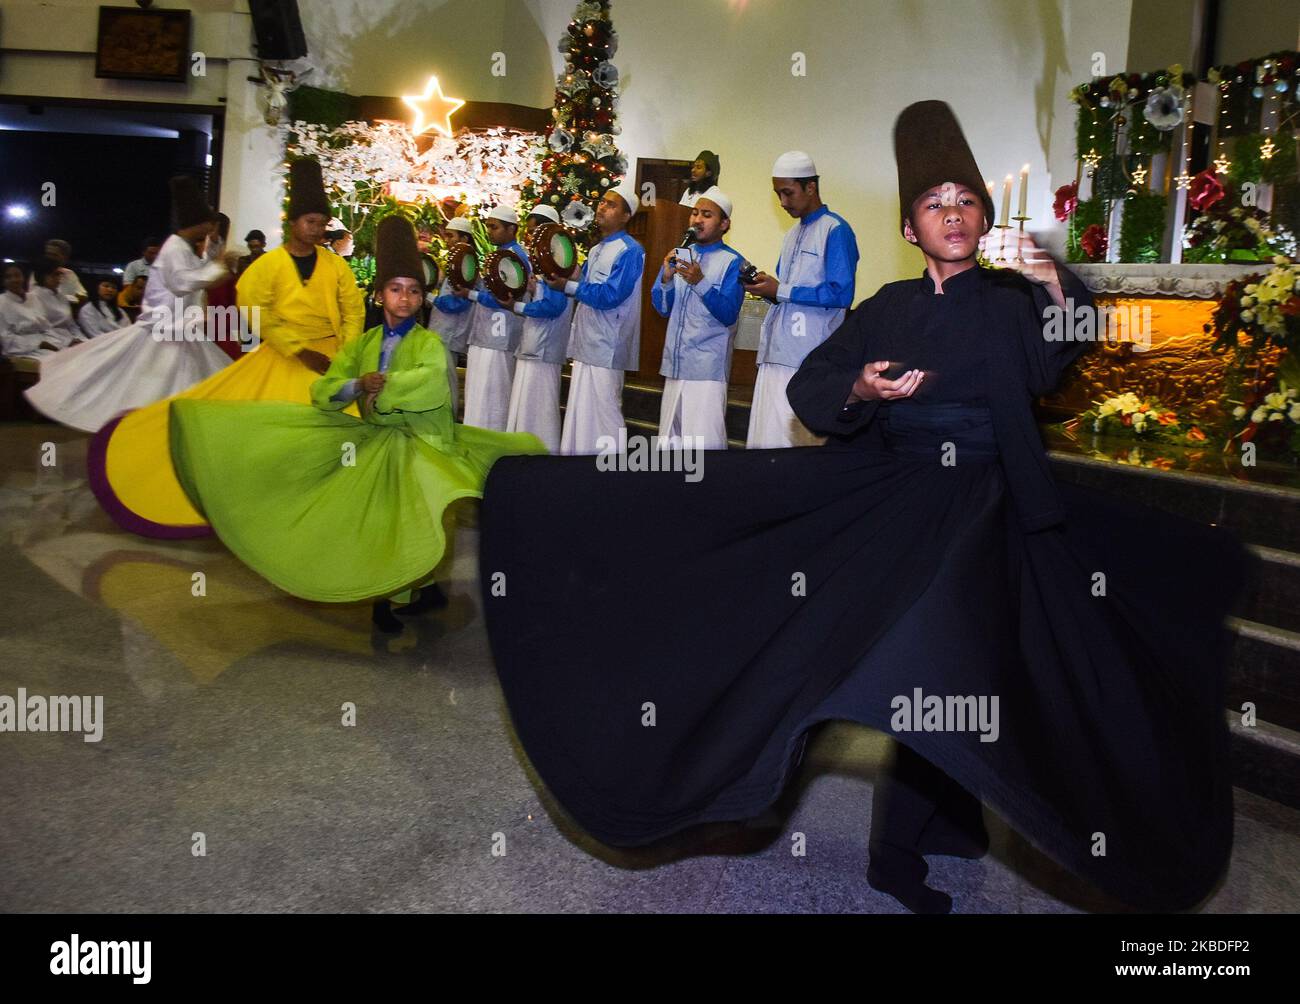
1206,191
1094,242
1067,201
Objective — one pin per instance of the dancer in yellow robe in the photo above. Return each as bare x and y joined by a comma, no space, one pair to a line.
302,303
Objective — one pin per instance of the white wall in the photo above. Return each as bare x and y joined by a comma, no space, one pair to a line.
721,79
696,73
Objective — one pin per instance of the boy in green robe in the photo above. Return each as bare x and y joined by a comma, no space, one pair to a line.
277,479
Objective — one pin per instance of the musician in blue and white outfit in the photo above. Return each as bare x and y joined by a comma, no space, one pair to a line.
606,336
813,290
699,292
452,323
548,315
494,331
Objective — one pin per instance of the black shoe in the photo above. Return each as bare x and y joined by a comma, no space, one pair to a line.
430,598
381,615
901,874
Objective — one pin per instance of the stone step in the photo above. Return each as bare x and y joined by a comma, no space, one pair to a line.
1264,514
1265,757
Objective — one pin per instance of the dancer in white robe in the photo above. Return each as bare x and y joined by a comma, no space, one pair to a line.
163,352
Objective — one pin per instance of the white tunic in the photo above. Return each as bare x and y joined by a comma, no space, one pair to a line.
772,422
594,410
535,401
97,319
23,327
58,314
489,375
695,408
159,355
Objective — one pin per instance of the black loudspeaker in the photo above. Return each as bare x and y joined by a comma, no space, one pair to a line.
278,28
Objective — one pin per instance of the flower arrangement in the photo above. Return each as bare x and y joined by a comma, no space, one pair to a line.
1262,309
1275,420
1258,321
1128,414
1066,202
1094,242
1239,233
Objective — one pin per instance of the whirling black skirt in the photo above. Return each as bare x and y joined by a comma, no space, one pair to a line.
664,645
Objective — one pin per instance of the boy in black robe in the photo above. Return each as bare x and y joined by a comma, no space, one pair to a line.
945,210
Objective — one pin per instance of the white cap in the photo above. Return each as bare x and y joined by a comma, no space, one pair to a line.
545,211
627,189
460,223
719,198
794,164
505,214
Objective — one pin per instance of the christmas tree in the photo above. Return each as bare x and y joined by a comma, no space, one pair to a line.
578,160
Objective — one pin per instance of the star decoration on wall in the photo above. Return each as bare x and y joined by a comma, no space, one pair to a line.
1140,176
433,109
1267,149
1221,164
1184,181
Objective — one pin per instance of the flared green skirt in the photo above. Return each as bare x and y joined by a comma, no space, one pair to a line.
326,506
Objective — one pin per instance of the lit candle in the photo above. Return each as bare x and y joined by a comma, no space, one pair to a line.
1024,190
1006,202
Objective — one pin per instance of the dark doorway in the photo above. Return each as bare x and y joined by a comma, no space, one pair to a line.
109,164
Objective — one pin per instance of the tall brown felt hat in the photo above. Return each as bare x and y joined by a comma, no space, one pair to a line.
396,253
306,189
931,149
189,207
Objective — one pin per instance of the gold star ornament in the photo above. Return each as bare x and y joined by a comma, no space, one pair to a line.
433,109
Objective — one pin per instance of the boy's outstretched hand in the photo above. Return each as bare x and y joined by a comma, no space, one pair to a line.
372,383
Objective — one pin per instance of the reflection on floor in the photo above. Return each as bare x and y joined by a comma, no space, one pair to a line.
223,718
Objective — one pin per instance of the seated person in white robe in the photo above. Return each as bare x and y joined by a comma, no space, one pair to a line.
102,314
24,330
45,296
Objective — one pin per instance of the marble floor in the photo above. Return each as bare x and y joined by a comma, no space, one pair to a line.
223,732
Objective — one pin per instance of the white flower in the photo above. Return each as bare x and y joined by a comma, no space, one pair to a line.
1248,301
1259,415
1294,412
1239,411
1275,417
1247,316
